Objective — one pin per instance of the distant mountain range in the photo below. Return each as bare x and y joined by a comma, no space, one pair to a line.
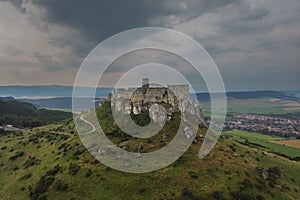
60,97
53,91
47,91
64,103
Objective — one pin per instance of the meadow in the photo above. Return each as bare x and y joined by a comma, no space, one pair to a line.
264,142
257,106
292,143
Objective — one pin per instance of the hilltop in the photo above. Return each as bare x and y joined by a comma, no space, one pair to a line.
50,162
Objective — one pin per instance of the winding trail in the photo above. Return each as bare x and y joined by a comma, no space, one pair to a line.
89,123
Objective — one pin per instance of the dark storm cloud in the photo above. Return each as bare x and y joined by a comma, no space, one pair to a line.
109,17
98,20
17,4
243,37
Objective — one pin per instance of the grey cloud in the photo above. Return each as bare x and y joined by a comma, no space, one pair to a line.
17,4
95,20
242,36
12,51
56,63
98,19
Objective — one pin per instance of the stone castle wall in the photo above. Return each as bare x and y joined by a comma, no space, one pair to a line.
181,91
137,100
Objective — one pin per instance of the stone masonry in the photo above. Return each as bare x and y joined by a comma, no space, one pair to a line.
174,98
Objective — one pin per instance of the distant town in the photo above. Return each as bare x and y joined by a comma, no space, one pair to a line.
9,128
281,126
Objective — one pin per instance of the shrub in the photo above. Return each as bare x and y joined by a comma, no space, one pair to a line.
219,195
73,169
274,172
16,168
142,190
26,176
34,139
77,153
242,195
41,187
246,184
260,197
88,173
31,162
54,171
42,197
63,145
61,186
193,175
17,155
4,147
188,194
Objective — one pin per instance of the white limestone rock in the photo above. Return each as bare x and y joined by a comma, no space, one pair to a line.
157,114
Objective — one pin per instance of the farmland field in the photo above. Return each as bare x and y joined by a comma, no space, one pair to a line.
257,106
291,143
264,142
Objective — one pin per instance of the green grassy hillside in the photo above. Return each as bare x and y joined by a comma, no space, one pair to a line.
50,163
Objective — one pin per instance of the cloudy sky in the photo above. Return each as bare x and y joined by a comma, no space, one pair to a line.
255,43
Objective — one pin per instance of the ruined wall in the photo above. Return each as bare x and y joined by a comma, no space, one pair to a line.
158,95
138,100
142,98
121,93
181,91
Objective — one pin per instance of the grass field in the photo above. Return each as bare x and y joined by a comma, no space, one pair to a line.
291,143
257,106
264,142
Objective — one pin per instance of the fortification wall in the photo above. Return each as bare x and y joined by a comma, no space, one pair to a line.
181,91
122,93
142,98
156,95
138,100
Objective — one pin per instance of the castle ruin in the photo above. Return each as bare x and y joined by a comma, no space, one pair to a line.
174,98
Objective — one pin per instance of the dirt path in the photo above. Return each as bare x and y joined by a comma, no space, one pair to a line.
89,123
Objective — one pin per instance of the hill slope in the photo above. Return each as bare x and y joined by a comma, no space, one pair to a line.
51,163
26,115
